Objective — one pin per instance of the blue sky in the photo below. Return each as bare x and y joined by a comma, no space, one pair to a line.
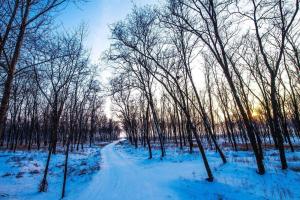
98,15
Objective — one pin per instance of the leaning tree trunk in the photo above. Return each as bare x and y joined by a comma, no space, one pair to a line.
277,127
11,69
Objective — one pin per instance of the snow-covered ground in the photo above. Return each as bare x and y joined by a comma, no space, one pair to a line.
127,174
21,173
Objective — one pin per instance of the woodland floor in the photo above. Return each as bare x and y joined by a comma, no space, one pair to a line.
22,171
126,173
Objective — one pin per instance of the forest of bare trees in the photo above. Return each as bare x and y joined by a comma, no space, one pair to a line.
196,75
49,90
209,74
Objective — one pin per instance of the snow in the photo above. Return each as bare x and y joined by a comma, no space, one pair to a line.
22,171
122,177
127,174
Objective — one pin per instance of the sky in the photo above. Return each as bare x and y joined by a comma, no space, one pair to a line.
98,15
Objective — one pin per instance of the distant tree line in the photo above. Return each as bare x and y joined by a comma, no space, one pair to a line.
209,73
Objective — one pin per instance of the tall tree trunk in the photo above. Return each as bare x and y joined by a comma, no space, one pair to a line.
12,67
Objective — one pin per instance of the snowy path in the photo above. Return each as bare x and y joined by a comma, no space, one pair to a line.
121,178
127,174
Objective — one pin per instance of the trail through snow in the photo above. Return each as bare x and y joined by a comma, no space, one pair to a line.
127,174
121,178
